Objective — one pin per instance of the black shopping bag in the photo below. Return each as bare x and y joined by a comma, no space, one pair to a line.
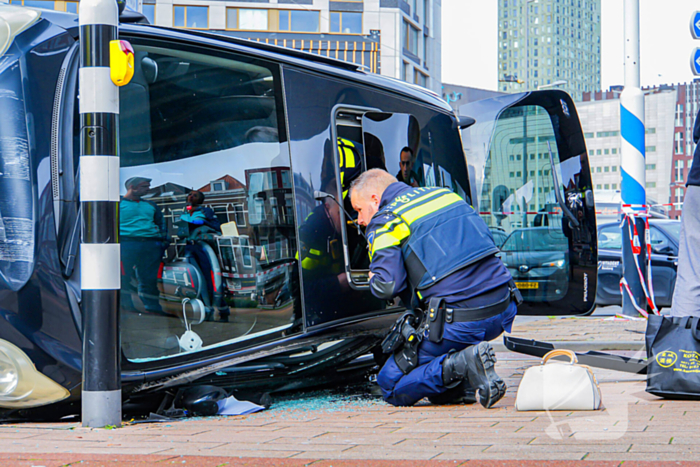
673,353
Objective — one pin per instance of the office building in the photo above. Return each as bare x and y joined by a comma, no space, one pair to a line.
670,112
563,40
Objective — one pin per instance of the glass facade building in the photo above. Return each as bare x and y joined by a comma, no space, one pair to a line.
546,43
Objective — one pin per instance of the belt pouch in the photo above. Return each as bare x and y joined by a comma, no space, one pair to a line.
436,319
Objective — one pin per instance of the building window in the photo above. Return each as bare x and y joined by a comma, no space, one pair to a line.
410,38
191,17
346,22
614,168
679,197
72,7
591,152
419,78
247,19
651,166
148,10
597,187
606,151
35,4
678,171
678,139
614,186
606,169
298,20
650,149
588,135
598,169
614,150
606,186
598,152
679,115
650,131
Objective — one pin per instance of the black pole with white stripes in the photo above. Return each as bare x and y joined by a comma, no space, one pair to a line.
100,277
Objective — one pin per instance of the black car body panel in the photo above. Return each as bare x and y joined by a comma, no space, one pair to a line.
255,128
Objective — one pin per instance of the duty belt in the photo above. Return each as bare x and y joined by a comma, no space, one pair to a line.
439,314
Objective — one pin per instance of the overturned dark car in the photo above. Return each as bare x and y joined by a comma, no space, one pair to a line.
270,293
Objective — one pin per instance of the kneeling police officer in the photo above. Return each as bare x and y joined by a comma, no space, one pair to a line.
431,240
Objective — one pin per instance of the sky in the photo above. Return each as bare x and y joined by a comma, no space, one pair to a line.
470,28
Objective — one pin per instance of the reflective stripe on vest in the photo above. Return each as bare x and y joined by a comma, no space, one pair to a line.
346,154
393,232
437,231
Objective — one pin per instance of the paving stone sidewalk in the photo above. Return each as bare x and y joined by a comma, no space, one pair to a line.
339,430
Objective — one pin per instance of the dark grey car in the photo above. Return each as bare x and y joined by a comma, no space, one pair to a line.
664,235
537,258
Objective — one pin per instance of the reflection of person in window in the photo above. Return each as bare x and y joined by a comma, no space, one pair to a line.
197,215
322,255
407,174
202,220
143,240
262,134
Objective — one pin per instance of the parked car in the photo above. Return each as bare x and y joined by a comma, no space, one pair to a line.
537,258
664,235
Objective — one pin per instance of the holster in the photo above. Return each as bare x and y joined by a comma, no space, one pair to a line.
406,357
436,319
396,336
403,340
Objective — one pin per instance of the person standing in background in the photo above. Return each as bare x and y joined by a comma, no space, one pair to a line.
686,295
142,235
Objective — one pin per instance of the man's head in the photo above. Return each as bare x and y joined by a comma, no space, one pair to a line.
195,198
136,187
406,163
366,193
332,207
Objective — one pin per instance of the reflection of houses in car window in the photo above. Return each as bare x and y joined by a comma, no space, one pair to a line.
270,210
226,196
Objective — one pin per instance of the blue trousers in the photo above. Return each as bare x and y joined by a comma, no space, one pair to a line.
426,379
142,260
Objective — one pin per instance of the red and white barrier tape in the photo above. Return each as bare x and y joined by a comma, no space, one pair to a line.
647,286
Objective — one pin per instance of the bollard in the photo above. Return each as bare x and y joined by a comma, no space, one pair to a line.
100,277
633,169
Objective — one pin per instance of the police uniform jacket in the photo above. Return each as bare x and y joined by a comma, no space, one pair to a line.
431,240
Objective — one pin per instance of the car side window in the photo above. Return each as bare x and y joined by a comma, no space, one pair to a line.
610,238
659,242
206,221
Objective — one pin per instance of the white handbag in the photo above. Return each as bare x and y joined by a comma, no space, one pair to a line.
555,385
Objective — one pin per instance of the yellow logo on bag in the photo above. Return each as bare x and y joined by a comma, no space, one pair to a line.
666,358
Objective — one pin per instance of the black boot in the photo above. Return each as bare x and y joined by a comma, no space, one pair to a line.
461,394
475,364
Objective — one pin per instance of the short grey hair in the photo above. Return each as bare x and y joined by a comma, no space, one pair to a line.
133,181
376,180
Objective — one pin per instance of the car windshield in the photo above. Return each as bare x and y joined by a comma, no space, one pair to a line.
535,240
